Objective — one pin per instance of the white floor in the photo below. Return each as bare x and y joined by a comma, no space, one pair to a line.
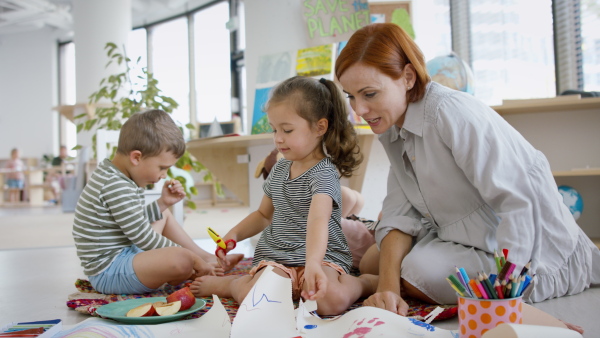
35,283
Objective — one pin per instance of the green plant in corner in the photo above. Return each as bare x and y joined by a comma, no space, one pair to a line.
122,95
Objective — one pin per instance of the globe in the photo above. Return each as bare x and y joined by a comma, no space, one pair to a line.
572,200
451,71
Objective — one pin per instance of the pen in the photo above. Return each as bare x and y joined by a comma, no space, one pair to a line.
215,237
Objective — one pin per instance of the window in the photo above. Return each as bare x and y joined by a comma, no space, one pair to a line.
212,51
170,64
590,33
512,54
68,130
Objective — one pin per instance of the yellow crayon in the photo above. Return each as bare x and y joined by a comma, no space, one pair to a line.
215,237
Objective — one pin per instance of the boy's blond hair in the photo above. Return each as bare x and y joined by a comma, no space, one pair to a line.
151,132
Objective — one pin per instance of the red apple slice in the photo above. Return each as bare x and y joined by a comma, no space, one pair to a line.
186,297
168,309
144,310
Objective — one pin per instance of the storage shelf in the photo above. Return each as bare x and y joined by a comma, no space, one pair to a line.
559,103
577,172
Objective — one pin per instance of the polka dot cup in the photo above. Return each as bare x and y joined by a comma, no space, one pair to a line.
477,316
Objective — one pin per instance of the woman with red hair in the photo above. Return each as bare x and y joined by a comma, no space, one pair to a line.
462,183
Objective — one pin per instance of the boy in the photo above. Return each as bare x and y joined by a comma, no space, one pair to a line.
124,246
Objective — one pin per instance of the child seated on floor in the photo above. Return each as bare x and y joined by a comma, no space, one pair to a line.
300,213
124,247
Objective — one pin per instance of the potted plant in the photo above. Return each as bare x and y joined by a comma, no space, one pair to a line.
121,95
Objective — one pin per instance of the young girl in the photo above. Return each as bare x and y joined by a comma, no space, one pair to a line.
15,179
300,213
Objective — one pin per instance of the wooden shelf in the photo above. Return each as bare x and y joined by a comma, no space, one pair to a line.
219,155
577,172
559,103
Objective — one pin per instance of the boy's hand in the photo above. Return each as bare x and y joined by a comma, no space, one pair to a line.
172,192
315,282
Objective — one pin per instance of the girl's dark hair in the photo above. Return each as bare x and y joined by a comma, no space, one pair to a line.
316,99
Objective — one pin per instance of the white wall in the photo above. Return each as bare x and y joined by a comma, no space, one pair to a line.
28,91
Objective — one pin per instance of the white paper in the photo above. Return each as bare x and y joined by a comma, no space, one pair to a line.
267,310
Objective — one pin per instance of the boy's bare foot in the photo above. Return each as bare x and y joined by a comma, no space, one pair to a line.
370,283
206,286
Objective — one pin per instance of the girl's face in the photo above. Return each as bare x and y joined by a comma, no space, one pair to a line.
376,97
14,154
294,137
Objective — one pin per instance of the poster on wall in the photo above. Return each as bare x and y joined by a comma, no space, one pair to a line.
330,21
272,69
397,12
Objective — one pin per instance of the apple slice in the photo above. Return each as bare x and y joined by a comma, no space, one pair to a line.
168,309
186,297
144,310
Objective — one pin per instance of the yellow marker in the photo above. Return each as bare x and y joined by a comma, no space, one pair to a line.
216,238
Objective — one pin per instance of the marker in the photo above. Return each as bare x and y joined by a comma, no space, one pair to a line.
455,287
215,237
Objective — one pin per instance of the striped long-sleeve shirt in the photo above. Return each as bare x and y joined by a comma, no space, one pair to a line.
111,216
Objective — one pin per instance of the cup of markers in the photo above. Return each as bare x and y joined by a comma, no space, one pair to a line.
487,301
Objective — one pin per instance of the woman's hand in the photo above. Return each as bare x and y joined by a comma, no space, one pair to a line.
315,282
388,300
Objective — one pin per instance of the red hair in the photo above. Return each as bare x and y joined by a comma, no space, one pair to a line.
387,47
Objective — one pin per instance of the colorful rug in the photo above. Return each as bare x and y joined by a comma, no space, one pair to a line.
87,300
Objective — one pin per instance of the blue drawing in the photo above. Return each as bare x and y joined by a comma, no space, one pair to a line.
254,304
310,327
428,327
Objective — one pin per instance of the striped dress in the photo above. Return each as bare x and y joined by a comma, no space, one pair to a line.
284,240
111,216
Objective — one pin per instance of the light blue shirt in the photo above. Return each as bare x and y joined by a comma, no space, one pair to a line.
458,168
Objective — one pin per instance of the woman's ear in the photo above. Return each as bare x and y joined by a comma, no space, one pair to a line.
322,126
410,75
135,157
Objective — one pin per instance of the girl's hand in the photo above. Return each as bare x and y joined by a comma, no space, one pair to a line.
230,244
315,282
388,300
172,192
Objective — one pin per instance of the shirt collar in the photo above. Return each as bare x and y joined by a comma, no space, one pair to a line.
413,121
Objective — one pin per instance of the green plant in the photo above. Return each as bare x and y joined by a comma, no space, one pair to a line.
122,95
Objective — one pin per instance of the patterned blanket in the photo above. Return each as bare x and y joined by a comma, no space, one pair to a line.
86,300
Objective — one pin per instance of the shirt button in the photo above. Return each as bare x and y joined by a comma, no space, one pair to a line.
412,159
427,215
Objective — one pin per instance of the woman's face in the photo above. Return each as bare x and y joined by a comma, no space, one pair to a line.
376,97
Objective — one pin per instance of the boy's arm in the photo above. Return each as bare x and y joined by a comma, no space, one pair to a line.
317,236
123,204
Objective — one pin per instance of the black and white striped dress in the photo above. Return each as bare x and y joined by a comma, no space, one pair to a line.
284,241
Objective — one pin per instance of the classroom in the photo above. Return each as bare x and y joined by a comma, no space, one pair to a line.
535,63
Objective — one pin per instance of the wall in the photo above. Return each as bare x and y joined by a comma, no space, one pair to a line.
28,93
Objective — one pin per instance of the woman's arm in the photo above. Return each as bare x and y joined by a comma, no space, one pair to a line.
394,247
